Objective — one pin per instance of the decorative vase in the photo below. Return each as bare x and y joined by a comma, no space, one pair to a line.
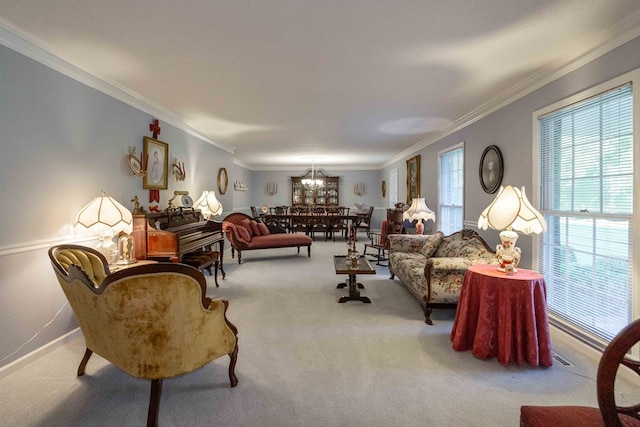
507,253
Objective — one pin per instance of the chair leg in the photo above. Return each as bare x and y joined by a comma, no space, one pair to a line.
154,403
216,270
427,316
83,363
232,366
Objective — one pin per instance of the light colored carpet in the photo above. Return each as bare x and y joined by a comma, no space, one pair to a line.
305,360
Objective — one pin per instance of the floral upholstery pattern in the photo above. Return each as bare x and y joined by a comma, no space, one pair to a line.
436,280
431,244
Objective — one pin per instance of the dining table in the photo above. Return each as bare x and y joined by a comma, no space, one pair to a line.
327,219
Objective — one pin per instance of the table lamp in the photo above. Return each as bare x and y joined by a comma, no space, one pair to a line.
208,204
419,211
105,216
509,211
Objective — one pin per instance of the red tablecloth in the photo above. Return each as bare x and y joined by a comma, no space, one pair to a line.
503,315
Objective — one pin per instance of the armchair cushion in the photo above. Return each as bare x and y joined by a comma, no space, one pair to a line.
254,228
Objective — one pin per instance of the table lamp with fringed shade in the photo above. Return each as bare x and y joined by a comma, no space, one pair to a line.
106,217
419,211
509,211
208,204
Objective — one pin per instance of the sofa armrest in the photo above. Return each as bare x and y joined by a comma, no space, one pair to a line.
231,231
454,264
447,263
405,242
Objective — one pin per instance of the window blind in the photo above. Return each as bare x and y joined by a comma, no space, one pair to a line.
586,196
451,191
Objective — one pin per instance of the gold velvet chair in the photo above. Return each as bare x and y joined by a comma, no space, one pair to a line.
608,413
152,321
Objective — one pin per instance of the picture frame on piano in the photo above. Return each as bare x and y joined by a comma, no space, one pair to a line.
156,154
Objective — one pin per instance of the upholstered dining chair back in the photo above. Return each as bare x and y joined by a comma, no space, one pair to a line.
152,321
608,413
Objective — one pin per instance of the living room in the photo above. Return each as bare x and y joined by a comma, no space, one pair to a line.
66,136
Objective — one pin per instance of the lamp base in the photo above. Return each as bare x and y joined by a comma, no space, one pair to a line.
507,253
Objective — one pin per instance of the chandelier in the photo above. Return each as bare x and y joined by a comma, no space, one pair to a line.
312,182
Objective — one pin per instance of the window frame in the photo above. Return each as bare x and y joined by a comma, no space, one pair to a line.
632,77
458,146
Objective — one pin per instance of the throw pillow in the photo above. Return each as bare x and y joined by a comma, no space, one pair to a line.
244,234
264,230
431,244
246,223
255,229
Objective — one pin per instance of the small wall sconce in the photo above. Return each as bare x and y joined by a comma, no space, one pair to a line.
359,188
239,186
138,166
271,188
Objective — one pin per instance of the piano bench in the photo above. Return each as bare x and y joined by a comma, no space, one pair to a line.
203,261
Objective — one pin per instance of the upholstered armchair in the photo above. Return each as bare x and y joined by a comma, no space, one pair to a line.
152,321
608,413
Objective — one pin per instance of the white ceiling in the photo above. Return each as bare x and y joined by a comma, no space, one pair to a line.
352,83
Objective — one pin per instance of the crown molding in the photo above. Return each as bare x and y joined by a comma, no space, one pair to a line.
30,46
625,31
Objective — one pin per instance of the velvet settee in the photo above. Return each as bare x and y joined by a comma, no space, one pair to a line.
433,266
246,234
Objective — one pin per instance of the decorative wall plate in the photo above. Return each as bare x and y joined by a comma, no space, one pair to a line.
491,169
264,209
223,180
134,164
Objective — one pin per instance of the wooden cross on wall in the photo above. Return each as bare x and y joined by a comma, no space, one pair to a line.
155,128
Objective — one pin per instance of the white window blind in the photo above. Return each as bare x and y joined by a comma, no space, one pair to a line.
586,196
451,191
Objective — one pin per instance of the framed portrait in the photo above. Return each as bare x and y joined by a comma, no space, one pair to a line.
413,178
491,169
156,154
223,180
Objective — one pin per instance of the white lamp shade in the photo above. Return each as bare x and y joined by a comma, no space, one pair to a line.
512,210
208,204
104,212
419,210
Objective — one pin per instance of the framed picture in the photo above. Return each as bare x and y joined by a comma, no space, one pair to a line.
413,178
491,169
156,154
384,188
223,180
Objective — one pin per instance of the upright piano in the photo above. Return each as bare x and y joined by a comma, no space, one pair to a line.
173,233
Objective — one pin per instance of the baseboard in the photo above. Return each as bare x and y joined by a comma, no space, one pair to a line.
557,335
39,352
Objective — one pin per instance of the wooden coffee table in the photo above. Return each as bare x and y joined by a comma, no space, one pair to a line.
364,267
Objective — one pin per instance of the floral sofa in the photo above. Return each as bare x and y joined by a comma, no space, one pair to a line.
246,234
433,266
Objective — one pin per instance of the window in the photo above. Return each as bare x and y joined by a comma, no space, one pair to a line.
451,191
586,179
393,187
